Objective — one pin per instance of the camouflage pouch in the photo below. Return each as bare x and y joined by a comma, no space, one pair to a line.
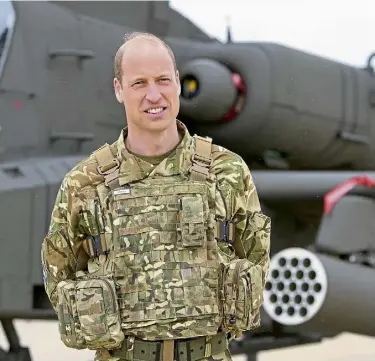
68,320
192,221
241,295
88,309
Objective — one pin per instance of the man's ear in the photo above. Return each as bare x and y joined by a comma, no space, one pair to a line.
118,90
178,82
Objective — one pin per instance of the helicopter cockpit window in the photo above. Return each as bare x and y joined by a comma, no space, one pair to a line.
7,20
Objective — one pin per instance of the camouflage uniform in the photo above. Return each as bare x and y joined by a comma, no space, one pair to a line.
64,252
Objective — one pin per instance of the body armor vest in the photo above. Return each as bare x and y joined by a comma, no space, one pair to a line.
165,258
164,255
156,270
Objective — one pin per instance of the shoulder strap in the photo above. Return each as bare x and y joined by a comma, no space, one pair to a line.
202,158
202,161
109,165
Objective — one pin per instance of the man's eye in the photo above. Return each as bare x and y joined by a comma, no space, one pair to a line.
164,79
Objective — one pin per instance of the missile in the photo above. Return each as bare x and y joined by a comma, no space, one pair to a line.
210,91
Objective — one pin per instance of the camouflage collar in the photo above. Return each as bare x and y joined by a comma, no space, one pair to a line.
133,168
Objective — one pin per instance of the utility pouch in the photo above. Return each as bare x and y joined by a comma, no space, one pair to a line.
69,325
192,221
88,314
241,295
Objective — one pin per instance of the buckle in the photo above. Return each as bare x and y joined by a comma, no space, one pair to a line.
102,168
225,233
202,161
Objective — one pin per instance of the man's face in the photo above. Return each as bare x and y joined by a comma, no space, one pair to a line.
150,86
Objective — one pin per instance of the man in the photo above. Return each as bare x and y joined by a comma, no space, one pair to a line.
157,248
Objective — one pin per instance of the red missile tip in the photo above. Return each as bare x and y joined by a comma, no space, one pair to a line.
238,82
237,106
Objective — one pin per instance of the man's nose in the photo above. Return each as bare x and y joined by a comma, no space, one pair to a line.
153,94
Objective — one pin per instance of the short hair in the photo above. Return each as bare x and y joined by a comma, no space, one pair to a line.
133,35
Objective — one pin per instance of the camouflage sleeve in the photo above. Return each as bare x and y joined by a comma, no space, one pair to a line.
253,228
62,246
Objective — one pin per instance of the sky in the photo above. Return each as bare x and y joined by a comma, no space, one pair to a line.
342,30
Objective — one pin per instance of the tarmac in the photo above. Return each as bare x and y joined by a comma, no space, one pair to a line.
42,338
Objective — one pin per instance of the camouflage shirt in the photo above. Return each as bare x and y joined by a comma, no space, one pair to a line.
62,249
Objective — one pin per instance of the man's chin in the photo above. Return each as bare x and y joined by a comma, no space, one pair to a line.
159,124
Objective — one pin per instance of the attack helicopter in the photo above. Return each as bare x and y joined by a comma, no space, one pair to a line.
303,124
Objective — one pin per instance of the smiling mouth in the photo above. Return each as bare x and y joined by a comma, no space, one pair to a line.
155,110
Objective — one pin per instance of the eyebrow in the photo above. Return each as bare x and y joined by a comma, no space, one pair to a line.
134,80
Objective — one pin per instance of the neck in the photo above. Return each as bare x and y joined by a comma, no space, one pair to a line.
151,144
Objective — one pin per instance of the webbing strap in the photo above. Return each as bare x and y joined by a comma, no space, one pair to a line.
109,165
201,159
168,350
95,245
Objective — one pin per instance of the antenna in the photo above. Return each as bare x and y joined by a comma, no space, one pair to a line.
229,29
371,64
